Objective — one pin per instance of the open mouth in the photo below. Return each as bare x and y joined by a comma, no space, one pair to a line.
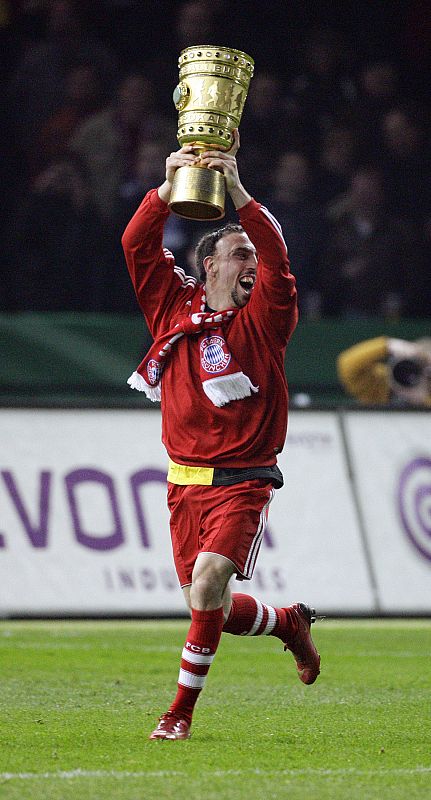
247,282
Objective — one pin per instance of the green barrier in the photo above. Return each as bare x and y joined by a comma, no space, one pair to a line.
85,359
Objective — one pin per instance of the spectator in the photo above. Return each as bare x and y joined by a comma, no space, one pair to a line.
306,229
61,245
337,160
267,118
406,161
175,25
108,140
84,96
416,43
372,261
324,91
196,22
38,84
378,91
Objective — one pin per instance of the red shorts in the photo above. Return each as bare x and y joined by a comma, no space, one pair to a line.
227,520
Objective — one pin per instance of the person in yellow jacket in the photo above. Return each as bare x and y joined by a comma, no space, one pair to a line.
383,370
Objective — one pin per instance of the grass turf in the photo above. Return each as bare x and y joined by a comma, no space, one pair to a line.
78,700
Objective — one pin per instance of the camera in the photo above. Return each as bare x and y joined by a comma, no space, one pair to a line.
407,373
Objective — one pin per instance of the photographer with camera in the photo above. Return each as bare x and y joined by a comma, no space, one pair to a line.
385,371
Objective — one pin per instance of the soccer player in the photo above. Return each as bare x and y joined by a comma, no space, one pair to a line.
217,364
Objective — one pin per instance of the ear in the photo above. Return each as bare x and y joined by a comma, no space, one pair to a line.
208,263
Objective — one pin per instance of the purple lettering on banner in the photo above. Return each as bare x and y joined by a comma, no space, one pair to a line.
279,581
136,481
38,534
126,579
414,504
72,481
258,577
267,537
148,579
169,579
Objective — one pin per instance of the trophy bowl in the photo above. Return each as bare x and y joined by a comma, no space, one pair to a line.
210,97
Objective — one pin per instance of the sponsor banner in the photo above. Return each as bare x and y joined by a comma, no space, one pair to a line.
315,551
391,457
84,523
84,527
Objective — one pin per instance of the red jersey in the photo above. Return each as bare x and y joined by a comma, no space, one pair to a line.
244,433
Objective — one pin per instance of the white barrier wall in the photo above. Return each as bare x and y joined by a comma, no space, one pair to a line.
317,553
84,527
391,457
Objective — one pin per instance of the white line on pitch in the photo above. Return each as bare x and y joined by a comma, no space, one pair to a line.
82,773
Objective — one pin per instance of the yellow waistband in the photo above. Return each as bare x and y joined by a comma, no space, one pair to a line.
185,476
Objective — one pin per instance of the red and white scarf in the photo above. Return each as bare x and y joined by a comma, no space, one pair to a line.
222,378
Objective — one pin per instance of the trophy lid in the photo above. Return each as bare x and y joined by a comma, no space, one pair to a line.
215,53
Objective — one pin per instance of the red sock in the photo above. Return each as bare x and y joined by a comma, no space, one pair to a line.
249,617
198,653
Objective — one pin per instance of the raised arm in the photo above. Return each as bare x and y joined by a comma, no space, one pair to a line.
155,277
182,158
274,298
227,164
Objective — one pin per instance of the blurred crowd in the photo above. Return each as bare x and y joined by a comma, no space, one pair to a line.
335,139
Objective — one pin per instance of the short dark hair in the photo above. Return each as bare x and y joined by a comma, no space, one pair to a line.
207,244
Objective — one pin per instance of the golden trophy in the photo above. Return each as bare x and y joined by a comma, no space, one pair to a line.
210,97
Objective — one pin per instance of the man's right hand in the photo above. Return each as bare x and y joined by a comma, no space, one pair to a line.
184,157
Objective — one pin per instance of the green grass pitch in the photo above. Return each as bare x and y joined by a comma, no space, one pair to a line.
79,699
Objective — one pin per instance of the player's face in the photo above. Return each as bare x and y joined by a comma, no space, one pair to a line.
234,265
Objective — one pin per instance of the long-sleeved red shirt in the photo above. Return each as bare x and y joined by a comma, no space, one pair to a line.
243,433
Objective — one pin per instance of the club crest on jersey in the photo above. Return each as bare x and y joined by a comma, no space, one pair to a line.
215,356
153,371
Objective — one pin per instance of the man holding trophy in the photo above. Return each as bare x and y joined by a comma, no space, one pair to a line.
217,365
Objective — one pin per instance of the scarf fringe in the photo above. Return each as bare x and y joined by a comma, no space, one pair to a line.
228,387
136,381
219,390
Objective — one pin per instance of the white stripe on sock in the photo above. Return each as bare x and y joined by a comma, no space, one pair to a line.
196,658
190,680
272,621
258,618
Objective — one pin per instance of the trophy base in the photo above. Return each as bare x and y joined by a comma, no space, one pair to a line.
198,193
